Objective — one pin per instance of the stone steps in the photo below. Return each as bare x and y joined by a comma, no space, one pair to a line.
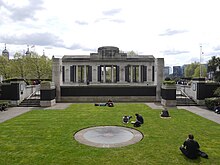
185,101
30,103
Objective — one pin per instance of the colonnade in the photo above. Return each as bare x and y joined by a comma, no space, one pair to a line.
107,73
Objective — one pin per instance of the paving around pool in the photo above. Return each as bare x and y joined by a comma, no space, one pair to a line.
108,136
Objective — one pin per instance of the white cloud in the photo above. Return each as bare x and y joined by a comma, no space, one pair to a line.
170,29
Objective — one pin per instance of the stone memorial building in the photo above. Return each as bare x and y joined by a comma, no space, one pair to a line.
107,74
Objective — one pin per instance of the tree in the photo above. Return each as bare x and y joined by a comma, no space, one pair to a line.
31,66
213,64
18,66
197,72
39,67
193,70
190,69
5,69
132,53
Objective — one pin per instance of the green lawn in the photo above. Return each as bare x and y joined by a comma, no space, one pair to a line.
46,137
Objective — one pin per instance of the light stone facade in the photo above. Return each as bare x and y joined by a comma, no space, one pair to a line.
108,67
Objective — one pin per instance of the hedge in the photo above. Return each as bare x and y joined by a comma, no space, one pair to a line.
212,102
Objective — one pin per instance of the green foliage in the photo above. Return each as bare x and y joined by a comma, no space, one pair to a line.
193,70
197,72
31,66
211,103
217,76
5,69
46,137
132,53
213,64
169,82
217,92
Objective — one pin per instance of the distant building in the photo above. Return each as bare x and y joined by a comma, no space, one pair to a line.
28,52
184,68
166,71
177,71
5,53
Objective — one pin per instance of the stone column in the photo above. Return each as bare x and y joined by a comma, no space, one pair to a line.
104,73
85,78
94,74
67,74
121,73
112,73
139,73
77,76
131,73
149,73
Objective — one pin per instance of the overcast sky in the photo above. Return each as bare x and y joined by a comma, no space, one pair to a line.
171,29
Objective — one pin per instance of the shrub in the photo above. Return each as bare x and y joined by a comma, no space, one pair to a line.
169,82
211,103
217,92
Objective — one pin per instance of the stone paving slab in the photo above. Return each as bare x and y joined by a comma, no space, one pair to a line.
58,106
199,110
12,112
202,111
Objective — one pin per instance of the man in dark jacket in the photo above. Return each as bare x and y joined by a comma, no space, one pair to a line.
190,148
139,120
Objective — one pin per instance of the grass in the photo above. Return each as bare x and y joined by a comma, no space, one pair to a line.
46,137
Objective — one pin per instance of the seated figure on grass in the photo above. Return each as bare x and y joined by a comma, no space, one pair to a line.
126,119
190,148
109,104
164,113
139,120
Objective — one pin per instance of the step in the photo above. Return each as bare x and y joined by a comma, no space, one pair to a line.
30,103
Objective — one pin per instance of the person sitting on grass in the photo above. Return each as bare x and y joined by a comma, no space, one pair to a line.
190,148
126,119
110,103
139,120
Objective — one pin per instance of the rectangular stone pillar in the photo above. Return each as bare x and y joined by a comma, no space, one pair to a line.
77,72
94,74
140,73
85,78
67,74
121,73
131,74
159,66
149,73
112,73
57,75
104,73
